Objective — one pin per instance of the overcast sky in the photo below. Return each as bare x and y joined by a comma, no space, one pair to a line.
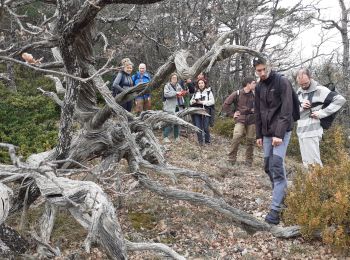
310,38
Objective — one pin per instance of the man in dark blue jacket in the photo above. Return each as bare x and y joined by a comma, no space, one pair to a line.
274,123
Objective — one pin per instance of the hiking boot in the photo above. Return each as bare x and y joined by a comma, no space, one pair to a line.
177,140
273,217
166,140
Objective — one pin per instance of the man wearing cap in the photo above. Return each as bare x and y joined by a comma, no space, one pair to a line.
274,124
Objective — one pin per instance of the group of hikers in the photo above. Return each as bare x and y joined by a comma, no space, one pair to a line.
264,113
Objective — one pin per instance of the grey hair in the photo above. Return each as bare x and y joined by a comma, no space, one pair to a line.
126,62
304,71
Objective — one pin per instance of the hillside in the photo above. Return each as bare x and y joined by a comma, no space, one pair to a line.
201,233
194,231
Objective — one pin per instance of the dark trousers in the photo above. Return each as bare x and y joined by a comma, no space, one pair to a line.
127,106
202,122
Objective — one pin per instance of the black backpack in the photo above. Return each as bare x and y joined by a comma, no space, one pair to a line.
211,112
296,102
326,122
296,106
112,80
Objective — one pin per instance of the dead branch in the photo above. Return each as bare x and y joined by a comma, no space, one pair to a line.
132,246
159,119
174,171
6,50
44,248
34,45
11,243
101,72
58,84
117,19
105,40
242,219
5,197
19,23
12,152
53,96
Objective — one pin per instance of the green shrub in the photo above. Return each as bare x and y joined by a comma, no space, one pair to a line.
224,126
293,146
157,99
319,199
28,119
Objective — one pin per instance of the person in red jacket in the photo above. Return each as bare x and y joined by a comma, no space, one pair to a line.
274,124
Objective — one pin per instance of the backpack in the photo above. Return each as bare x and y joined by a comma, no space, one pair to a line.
211,112
296,106
326,122
164,98
110,85
296,102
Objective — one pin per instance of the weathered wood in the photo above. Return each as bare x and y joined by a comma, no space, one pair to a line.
241,218
175,172
91,207
131,246
11,242
5,197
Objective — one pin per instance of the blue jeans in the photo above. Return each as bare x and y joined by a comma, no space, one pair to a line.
202,122
274,167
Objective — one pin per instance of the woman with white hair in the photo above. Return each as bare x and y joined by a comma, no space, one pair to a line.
123,81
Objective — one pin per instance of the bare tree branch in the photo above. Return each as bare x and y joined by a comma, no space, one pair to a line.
131,246
53,96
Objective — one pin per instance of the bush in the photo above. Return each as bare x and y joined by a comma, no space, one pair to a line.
157,99
224,126
328,144
28,119
293,146
319,199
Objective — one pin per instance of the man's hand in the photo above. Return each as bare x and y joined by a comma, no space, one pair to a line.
236,114
276,141
314,114
306,104
259,142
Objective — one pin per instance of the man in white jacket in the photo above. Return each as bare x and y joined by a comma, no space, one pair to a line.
312,96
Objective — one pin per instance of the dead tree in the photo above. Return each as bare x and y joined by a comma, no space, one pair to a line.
109,133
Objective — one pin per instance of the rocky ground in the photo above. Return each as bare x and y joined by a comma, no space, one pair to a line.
201,233
196,232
